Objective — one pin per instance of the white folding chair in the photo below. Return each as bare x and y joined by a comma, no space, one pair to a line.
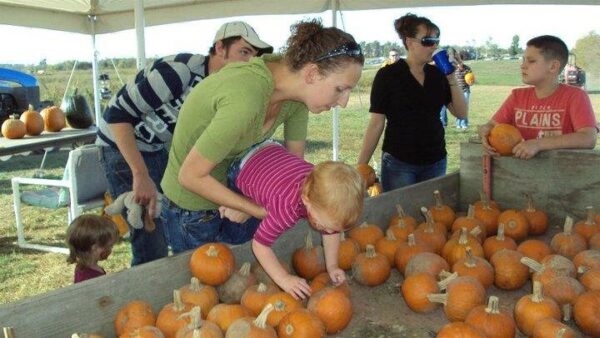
85,182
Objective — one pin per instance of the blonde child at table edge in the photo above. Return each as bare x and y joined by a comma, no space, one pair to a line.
90,239
549,115
329,195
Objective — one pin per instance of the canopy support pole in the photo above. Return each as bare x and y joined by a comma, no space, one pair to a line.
97,111
139,33
336,109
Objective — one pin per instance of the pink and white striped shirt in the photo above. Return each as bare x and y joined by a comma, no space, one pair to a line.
273,178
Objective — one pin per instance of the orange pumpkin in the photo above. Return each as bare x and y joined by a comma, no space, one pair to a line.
133,315
491,321
587,258
415,289
370,268
388,246
568,243
426,262
349,249
586,310
247,327
550,327
534,249
406,251
459,329
232,290
588,227
13,128
403,220
323,280
368,173
456,247
496,243
470,78
440,212
332,307
34,123
487,212
197,294
564,290
550,267
515,223
366,234
531,309
282,303
538,219
147,331
255,297
54,119
198,327
309,261
476,267
590,278
462,295
509,272
170,319
431,232
301,323
212,263
225,314
504,137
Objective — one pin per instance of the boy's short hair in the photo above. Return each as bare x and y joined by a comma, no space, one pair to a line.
338,189
85,231
552,48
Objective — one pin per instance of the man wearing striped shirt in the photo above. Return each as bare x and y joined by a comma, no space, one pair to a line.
330,195
138,124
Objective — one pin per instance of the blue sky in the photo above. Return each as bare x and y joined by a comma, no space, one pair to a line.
460,25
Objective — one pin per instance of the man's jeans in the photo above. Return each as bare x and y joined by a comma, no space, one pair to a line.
397,174
145,246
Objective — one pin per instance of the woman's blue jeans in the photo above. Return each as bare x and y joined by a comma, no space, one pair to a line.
145,246
397,174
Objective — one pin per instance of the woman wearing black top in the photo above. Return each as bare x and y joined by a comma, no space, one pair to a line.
408,95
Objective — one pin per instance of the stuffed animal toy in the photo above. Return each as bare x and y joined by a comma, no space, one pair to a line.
134,210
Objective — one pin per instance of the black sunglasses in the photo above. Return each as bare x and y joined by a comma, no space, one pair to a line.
429,41
351,49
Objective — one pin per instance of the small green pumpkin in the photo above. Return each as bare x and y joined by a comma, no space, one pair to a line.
77,111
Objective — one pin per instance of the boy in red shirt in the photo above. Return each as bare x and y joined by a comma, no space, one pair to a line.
549,115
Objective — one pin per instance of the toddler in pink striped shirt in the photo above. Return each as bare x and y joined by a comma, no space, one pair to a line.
330,195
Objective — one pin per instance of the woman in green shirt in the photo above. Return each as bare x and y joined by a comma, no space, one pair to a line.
241,105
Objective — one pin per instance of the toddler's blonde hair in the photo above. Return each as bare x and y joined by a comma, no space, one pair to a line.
338,189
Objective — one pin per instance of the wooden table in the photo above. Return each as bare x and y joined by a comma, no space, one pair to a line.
64,137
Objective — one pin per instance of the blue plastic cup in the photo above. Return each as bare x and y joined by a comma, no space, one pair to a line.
440,57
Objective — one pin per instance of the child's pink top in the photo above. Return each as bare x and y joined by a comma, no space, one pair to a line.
273,178
85,273
567,110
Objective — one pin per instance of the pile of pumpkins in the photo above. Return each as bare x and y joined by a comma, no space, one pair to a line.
447,261
32,123
73,111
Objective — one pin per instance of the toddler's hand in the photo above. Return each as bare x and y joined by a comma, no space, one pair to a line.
338,276
295,286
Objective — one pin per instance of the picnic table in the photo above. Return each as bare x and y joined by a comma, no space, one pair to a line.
67,136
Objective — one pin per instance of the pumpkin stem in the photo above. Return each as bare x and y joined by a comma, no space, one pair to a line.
389,234
178,304
438,298
309,243
583,269
262,287
566,310
443,284
195,285
530,206
537,296
261,320
568,227
438,199
485,201
411,240
444,274
561,332
470,261
500,235
428,218
212,251
462,237
476,231
471,211
533,264
195,318
493,306
245,269
370,251
400,210
342,236
590,215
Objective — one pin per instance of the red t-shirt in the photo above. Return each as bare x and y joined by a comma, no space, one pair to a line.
85,273
567,110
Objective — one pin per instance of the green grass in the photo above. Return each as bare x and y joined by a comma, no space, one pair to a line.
26,273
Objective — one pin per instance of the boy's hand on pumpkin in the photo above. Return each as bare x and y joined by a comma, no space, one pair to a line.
295,286
526,149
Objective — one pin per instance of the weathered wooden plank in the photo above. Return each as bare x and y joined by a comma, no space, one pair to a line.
562,182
